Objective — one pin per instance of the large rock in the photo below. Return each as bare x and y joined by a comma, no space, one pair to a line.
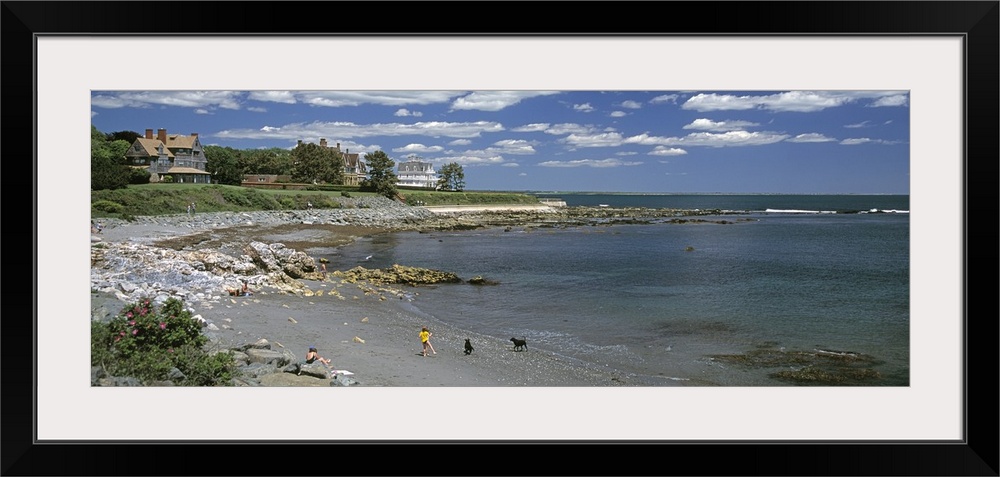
266,356
398,274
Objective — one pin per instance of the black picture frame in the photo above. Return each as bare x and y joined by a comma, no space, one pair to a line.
977,22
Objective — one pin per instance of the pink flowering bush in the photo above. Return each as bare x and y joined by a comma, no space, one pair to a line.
147,344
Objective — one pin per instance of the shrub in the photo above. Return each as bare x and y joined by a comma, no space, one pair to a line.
236,197
107,206
138,176
147,344
344,193
167,179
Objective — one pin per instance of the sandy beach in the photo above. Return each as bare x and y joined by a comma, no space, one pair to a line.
373,336
366,330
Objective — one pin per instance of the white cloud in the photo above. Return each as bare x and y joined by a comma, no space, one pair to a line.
403,112
791,101
256,109
729,138
387,98
667,151
286,97
201,111
495,100
534,127
862,124
584,108
512,146
460,142
510,164
188,99
716,102
114,102
523,174
594,140
599,163
709,125
811,137
414,148
618,114
347,130
631,104
890,101
665,98
865,140
472,160
93,113
568,128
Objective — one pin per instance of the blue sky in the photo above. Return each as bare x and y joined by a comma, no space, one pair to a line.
807,142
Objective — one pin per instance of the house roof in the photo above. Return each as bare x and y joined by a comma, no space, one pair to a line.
187,170
150,146
177,141
353,161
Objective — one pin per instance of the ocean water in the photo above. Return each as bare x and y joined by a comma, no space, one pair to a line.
660,302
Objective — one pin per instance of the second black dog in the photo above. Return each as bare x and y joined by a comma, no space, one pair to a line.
468,346
519,344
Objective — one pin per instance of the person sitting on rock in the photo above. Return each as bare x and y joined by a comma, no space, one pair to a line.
312,356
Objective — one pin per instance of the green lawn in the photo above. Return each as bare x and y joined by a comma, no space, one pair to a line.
167,199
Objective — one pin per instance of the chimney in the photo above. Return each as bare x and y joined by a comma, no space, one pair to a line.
322,142
300,142
149,134
194,134
338,146
161,134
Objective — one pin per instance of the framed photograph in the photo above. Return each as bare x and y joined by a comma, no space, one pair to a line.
943,55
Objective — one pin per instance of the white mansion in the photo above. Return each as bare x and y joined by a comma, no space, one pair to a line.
415,173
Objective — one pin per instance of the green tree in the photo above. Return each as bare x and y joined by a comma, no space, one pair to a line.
127,136
223,165
380,179
312,163
273,160
107,170
452,177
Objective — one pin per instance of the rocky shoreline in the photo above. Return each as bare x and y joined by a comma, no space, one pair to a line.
197,258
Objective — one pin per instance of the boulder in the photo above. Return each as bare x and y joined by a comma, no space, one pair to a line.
267,356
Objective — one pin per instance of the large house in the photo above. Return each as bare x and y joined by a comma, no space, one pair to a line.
354,168
415,173
180,157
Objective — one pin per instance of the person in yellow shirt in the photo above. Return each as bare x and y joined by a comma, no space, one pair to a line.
425,339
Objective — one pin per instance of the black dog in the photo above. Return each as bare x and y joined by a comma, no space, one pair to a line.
468,346
519,344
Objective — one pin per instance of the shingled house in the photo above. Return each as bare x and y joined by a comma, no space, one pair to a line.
180,157
354,169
